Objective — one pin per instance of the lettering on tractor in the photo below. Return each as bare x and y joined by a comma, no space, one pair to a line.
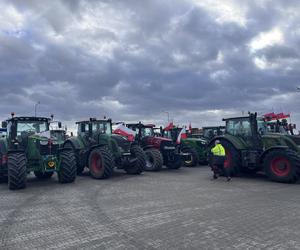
251,147
29,147
98,149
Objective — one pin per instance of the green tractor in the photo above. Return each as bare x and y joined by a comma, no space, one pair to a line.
29,147
98,149
196,147
251,148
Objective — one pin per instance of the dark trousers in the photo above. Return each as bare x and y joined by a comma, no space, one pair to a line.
218,166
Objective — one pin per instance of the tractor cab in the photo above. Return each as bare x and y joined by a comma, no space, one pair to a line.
20,129
94,126
212,131
57,131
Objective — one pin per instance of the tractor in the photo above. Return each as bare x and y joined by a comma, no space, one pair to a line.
251,148
29,147
196,147
171,155
98,149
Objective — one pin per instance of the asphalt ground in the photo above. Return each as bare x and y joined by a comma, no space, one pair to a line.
171,209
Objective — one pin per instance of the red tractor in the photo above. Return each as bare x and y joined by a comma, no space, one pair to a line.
145,136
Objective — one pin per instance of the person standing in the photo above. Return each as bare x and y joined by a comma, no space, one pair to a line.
219,157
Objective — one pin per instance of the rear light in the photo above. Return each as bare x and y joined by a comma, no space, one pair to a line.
4,159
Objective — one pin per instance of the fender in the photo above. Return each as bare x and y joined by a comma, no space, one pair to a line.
236,142
262,156
148,147
75,142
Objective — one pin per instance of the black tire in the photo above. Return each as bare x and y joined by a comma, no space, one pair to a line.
101,163
282,165
79,166
233,159
154,160
194,157
17,174
140,164
67,170
43,175
176,163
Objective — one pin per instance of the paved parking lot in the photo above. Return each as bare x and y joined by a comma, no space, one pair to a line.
181,209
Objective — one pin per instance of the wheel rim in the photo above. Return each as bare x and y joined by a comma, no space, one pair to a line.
280,166
228,160
96,165
149,161
189,161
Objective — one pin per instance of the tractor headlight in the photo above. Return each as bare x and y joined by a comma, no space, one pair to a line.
169,148
44,142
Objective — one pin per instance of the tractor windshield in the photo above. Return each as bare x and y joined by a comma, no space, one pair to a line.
241,127
32,126
102,127
146,131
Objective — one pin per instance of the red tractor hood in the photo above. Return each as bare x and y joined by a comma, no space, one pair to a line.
156,141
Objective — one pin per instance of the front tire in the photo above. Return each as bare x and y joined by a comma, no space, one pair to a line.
67,171
176,163
154,160
17,174
79,166
282,165
139,165
194,157
101,163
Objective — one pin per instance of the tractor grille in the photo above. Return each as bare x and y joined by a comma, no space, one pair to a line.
46,150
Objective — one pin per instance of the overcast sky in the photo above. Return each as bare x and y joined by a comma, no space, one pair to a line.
132,60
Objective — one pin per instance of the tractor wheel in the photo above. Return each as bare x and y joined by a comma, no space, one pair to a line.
233,160
194,157
282,165
67,171
101,163
175,164
140,164
154,160
43,175
17,174
80,167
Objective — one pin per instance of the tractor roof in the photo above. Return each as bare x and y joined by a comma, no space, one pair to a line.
236,118
29,118
213,127
94,120
140,124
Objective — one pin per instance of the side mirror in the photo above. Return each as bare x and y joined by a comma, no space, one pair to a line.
4,124
59,124
72,134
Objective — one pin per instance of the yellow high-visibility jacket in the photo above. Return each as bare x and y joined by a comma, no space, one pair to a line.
218,150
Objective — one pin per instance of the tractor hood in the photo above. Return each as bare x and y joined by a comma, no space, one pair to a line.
272,140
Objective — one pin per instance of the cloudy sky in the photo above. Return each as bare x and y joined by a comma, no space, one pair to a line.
199,60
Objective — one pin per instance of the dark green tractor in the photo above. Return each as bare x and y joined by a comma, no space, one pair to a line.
29,147
196,147
250,147
98,149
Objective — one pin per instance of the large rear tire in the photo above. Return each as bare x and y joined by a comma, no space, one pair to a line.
101,163
194,157
233,160
140,164
43,175
282,165
67,171
17,174
154,160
